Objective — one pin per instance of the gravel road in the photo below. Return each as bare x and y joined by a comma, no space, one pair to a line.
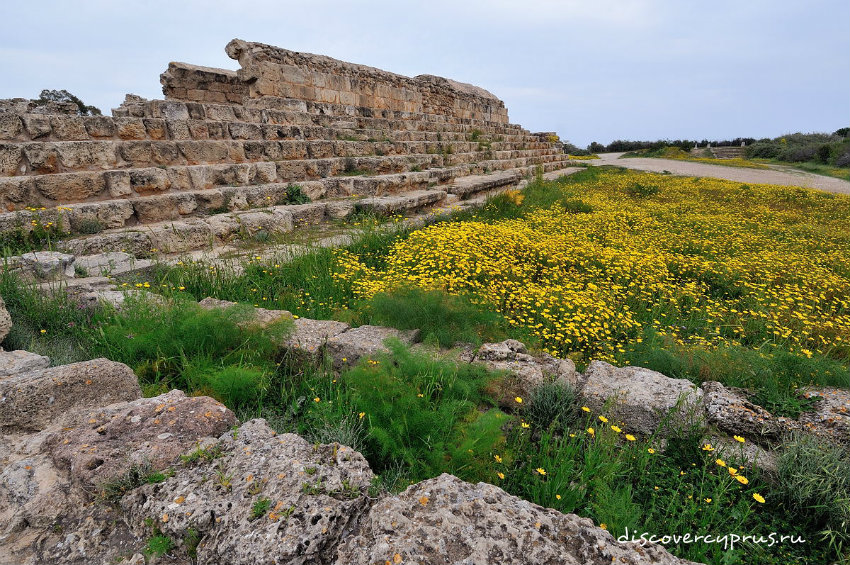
774,175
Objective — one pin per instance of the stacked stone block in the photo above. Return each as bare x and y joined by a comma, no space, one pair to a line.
224,141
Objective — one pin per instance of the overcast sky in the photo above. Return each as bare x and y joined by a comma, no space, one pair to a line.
592,70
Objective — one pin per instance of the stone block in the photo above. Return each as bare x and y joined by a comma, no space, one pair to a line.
269,221
220,113
16,190
320,149
10,158
241,130
35,400
19,361
37,126
317,493
99,126
118,183
200,176
87,154
10,125
68,128
196,152
212,199
347,348
42,158
130,128
5,322
95,217
179,178
230,175
70,187
43,265
198,129
489,526
309,214
182,236
178,129
149,180
262,173
217,130
165,153
155,128
110,440
136,152
174,110
165,207
642,398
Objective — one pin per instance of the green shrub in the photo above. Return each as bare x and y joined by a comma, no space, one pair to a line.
552,405
295,195
416,407
236,386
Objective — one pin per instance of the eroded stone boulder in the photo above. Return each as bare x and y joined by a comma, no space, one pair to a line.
310,337
642,398
44,265
732,412
34,400
447,521
346,348
262,498
831,415
20,361
149,433
525,371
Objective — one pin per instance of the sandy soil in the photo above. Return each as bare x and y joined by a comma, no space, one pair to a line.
779,175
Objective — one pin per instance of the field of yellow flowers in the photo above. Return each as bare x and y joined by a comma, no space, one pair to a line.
702,261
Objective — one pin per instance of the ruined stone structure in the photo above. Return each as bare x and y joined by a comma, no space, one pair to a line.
199,164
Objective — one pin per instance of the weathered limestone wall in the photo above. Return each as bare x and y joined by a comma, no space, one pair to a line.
202,84
225,140
269,73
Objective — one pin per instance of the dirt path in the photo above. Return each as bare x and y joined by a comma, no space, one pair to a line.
784,176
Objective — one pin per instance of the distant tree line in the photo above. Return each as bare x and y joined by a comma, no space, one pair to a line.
825,148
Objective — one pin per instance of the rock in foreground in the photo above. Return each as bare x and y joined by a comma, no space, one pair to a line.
447,521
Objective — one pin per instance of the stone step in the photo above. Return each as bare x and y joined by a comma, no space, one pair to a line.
88,186
227,125
129,210
205,232
50,157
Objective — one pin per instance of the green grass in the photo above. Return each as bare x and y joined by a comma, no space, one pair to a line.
842,173
443,319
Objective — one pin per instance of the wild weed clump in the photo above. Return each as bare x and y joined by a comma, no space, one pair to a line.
438,400
552,406
814,480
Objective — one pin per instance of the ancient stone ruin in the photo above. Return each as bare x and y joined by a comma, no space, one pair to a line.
197,167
